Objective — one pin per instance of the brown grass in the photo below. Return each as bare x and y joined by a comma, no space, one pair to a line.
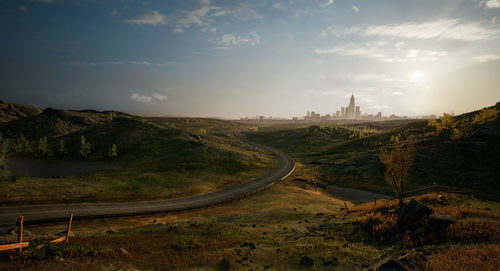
460,212
484,258
475,229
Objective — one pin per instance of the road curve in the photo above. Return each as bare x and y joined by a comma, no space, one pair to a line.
59,212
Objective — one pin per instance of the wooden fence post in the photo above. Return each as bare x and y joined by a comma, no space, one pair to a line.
374,200
20,232
347,209
68,230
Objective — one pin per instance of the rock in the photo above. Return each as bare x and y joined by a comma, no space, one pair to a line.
123,251
306,261
111,231
413,213
440,223
249,244
224,265
414,261
330,262
305,187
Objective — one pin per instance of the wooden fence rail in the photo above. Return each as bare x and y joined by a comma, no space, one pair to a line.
20,244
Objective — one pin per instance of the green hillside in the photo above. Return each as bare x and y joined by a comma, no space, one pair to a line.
467,157
157,157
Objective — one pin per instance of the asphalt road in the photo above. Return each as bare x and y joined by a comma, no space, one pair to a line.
60,212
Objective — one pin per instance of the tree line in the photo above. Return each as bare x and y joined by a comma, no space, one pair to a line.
44,149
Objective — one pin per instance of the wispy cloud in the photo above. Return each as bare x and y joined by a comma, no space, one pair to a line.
79,63
44,1
150,17
148,98
491,3
278,5
115,62
355,8
228,41
140,98
382,51
447,29
486,58
328,3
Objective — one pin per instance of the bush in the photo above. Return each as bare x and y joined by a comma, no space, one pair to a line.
485,258
475,230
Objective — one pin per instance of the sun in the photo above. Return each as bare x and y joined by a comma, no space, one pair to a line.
417,76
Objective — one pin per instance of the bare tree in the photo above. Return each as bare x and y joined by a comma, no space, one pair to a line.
398,160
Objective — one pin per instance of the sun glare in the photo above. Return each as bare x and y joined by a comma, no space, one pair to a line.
417,76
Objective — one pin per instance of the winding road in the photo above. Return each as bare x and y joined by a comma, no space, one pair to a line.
60,212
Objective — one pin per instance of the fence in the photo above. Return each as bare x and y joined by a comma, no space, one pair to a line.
20,244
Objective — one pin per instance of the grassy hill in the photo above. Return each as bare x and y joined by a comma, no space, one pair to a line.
157,157
12,111
339,157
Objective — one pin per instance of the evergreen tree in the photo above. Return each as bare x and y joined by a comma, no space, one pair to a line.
62,148
5,146
5,170
3,159
42,146
84,147
113,151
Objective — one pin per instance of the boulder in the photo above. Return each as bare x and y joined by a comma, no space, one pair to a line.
413,213
414,261
307,261
440,223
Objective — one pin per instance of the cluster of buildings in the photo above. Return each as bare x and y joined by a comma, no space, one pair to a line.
350,112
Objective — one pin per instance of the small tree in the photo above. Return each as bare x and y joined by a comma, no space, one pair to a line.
42,146
5,146
62,147
3,159
84,147
398,161
113,151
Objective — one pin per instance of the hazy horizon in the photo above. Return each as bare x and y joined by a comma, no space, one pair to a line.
232,59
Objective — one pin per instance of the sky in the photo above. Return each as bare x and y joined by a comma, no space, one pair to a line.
232,59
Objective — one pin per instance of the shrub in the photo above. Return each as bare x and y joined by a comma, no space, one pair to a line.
485,258
474,229
485,115
378,225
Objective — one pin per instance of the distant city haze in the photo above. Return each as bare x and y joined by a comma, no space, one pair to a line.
236,59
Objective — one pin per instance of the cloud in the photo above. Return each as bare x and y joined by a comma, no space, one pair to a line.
278,5
80,63
115,12
140,98
330,2
491,3
228,41
381,51
486,58
22,8
450,29
369,76
159,97
150,17
356,49
447,29
355,8
397,93
148,98
44,1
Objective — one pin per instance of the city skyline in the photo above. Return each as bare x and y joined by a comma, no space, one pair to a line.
231,59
